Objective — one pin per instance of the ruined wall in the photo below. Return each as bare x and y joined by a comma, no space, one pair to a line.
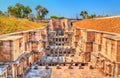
5,47
18,49
90,36
118,51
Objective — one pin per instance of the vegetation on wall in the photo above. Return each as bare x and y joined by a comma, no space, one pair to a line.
12,24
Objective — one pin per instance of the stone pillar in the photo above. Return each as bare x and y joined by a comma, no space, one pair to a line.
11,50
115,71
14,71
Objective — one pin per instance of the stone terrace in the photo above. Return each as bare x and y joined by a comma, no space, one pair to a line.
85,53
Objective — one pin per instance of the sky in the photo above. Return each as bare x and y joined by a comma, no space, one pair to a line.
69,8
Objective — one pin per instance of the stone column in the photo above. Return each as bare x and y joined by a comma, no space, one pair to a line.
115,71
14,71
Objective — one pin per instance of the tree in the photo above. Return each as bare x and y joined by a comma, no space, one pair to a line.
1,12
19,11
44,12
31,17
84,14
41,11
6,13
26,11
11,11
92,16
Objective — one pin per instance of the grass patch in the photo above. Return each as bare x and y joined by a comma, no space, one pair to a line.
12,24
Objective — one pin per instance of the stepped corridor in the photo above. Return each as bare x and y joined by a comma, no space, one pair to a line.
60,51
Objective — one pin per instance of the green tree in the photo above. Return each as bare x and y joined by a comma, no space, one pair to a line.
92,16
39,9
11,11
84,14
19,10
26,11
44,12
6,13
31,17
41,12
1,12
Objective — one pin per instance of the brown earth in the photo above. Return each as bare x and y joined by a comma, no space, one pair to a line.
102,24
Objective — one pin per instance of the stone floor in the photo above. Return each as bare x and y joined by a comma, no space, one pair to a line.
64,72
39,73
